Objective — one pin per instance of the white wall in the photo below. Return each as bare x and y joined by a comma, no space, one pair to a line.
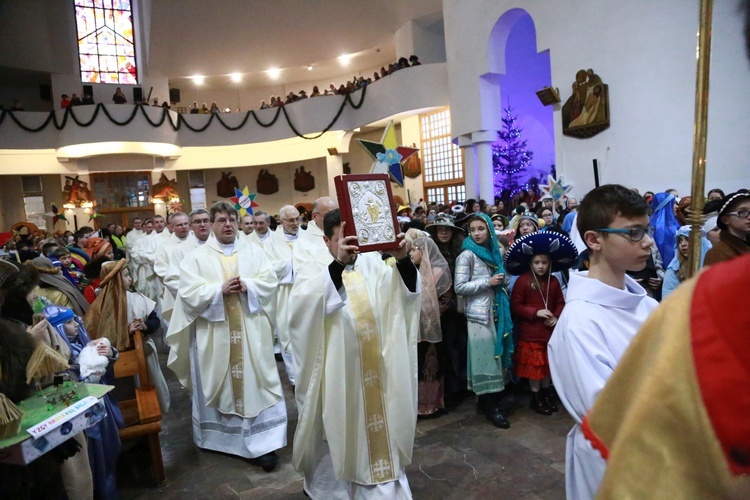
645,51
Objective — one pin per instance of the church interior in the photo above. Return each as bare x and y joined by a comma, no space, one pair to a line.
481,64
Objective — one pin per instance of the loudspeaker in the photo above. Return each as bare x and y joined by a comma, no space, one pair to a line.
45,92
88,89
174,95
137,95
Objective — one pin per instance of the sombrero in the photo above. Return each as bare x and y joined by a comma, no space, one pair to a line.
560,248
442,220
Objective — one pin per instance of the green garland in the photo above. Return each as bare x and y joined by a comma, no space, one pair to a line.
70,113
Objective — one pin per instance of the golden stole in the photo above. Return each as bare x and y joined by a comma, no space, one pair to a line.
233,311
378,442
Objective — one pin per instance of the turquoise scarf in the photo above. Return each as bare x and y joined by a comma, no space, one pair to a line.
490,255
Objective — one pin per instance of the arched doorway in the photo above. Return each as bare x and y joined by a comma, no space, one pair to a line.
515,72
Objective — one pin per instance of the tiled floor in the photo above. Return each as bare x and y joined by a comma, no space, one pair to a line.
458,455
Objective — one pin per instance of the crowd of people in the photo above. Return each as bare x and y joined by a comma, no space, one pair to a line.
356,83
469,305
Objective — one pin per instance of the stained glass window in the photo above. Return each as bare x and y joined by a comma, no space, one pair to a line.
106,42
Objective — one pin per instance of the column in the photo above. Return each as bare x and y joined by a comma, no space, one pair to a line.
483,140
471,171
486,178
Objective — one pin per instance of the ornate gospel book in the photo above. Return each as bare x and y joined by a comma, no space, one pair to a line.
366,204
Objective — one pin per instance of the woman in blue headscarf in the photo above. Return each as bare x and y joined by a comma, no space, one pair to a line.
665,224
480,280
677,270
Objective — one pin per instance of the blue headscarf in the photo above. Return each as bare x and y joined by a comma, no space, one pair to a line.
684,231
489,253
665,224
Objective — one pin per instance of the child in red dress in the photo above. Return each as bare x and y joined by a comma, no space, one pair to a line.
536,303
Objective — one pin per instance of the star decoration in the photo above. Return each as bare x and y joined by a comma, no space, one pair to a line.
555,188
56,216
95,214
243,201
388,155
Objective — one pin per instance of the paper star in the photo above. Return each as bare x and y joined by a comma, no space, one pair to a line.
388,155
244,201
555,188
56,216
95,214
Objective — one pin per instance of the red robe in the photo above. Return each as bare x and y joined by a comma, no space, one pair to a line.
525,302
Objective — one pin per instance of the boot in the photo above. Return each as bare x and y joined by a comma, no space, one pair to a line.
494,414
538,405
547,398
498,418
482,404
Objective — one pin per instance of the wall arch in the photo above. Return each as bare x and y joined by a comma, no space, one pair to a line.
515,71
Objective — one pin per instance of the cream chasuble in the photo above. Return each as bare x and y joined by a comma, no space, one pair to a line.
358,380
233,333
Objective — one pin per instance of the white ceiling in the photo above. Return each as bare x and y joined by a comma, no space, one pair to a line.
214,39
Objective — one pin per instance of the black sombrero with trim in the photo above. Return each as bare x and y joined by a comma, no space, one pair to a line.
560,248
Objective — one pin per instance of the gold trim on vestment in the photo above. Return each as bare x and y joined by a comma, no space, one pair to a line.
233,310
376,423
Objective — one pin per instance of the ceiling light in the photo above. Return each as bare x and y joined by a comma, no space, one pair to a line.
273,72
309,68
198,79
236,77
345,59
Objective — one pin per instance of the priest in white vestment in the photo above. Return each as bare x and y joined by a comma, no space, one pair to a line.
310,258
358,372
279,247
144,256
179,224
200,225
604,308
262,228
221,338
134,235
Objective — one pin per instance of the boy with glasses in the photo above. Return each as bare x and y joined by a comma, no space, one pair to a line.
604,310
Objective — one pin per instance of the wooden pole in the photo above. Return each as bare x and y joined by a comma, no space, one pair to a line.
700,132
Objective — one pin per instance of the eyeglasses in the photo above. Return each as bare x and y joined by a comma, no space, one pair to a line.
634,233
742,214
198,222
291,221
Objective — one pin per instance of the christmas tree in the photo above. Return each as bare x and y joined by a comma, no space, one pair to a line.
509,155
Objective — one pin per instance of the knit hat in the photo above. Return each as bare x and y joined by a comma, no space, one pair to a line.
57,315
529,216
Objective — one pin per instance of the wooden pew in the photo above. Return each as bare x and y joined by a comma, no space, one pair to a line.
142,414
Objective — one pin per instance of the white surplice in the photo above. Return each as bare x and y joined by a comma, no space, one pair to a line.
279,247
332,427
592,334
140,306
142,259
161,267
199,338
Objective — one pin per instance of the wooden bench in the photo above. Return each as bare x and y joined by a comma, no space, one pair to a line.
142,414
